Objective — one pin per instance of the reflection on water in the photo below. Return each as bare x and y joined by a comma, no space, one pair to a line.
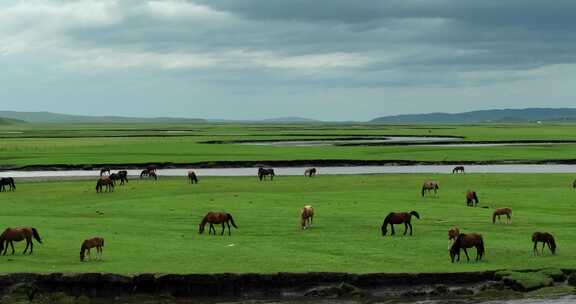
389,139
299,171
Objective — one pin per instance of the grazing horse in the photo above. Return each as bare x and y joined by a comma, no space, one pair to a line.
105,181
471,198
122,176
149,174
310,172
467,240
151,168
144,173
263,172
502,211
217,218
458,169
192,178
399,218
104,170
7,181
429,186
453,233
11,235
546,239
306,216
88,244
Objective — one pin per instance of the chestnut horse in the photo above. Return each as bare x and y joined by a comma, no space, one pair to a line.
105,181
11,235
306,216
192,178
546,239
310,172
458,169
471,198
467,240
453,233
502,211
262,173
217,218
429,186
88,244
399,218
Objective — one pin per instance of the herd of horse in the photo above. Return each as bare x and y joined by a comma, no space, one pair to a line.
457,241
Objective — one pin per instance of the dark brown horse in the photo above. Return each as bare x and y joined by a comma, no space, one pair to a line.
192,178
546,239
399,218
104,181
310,172
121,175
11,235
104,170
502,211
148,173
217,218
306,217
263,172
471,198
458,169
95,242
430,186
7,181
468,240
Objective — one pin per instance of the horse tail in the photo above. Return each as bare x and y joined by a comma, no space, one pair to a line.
36,235
232,220
414,213
552,245
476,198
481,249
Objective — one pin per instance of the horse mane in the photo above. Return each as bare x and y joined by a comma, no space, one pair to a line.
387,218
414,213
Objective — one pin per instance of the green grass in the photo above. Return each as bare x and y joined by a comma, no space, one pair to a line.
152,226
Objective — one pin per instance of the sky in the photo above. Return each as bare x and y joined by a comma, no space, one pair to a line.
257,59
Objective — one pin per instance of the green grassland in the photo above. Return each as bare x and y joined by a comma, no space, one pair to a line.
152,226
31,144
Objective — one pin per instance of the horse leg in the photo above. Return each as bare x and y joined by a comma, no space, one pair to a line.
31,246
410,225
535,249
223,228
406,228
12,245
392,228
27,245
228,224
211,228
543,245
509,218
466,252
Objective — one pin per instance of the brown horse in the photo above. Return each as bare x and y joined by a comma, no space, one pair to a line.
546,239
502,211
105,181
263,172
472,198
453,233
217,218
399,218
192,178
310,172
11,235
429,186
458,169
88,244
467,240
306,216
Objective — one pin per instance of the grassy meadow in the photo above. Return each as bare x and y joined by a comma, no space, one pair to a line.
153,226
32,144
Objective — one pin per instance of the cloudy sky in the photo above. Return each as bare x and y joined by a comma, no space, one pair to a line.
251,59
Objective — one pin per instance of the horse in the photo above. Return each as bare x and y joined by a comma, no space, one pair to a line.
471,198
11,235
310,172
192,178
7,181
453,233
263,172
217,218
105,181
149,174
306,216
88,244
546,239
151,168
144,173
429,186
502,211
458,169
122,176
399,218
467,240
104,170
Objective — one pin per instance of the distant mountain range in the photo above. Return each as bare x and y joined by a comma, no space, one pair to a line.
504,115
9,121
49,117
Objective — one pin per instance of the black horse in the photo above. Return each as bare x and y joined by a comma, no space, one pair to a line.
7,181
263,172
121,176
